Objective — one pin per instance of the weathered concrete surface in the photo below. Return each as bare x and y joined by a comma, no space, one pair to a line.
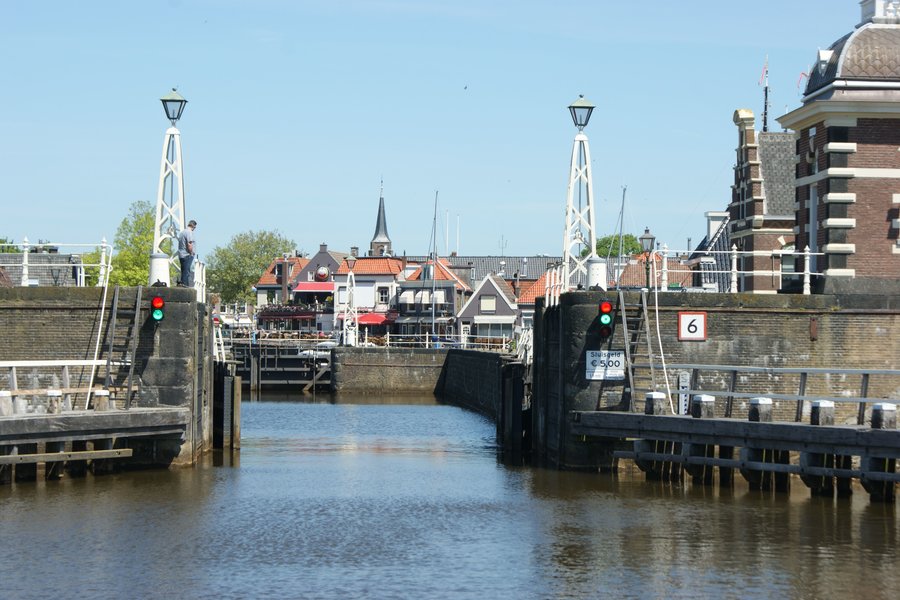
380,370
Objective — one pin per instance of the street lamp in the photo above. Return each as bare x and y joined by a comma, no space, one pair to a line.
170,196
579,237
647,241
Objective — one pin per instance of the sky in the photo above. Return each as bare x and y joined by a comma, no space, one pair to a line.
298,109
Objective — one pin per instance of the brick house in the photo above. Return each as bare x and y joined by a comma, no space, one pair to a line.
847,137
761,213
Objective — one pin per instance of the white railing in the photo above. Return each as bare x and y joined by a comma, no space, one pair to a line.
52,264
46,386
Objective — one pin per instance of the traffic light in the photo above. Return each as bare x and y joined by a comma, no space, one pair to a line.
606,318
157,308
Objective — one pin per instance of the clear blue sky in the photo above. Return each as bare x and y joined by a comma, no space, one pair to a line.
298,108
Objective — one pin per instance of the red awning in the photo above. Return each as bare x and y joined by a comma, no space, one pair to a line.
314,286
372,319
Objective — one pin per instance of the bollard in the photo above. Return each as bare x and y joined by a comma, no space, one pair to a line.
54,401
101,400
821,414
655,403
20,405
6,404
884,416
760,410
702,407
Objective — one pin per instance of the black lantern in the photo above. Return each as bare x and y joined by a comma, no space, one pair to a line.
647,240
581,112
173,103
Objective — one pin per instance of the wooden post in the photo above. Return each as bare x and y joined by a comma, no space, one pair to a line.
54,469
760,412
884,416
77,468
655,403
702,407
821,414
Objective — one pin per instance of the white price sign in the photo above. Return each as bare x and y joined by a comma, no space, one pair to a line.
605,364
692,326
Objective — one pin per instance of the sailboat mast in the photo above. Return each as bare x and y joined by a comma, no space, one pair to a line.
433,260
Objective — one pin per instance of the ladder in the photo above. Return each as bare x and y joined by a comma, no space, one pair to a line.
126,348
636,336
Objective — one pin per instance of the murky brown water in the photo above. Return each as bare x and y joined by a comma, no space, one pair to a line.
368,499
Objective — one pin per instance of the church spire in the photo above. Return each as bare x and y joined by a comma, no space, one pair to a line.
381,242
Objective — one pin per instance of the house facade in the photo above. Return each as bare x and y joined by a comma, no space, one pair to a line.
491,314
761,212
377,281
847,135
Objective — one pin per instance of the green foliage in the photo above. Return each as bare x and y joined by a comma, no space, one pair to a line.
609,245
8,246
232,271
133,243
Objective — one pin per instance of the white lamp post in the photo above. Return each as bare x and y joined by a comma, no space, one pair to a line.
580,232
350,313
170,196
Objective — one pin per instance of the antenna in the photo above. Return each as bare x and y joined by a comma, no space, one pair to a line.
764,80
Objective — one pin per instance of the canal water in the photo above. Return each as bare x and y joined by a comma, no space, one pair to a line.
337,497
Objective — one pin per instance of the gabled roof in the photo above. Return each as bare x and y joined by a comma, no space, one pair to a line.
371,265
527,267
493,283
442,273
532,289
268,277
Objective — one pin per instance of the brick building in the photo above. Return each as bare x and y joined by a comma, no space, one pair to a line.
761,213
847,153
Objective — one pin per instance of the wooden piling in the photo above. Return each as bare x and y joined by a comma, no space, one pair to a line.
822,415
884,416
760,412
702,407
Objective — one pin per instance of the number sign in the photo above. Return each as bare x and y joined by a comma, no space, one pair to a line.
692,326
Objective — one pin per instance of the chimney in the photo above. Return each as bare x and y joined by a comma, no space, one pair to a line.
323,247
354,250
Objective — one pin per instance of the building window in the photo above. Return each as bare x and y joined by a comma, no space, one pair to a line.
384,295
487,304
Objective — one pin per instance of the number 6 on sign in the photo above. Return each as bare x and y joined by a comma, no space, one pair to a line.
691,326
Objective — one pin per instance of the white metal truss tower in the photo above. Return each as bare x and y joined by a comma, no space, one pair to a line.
351,314
580,233
169,208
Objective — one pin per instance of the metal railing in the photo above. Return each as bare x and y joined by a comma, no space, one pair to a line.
46,386
733,382
55,264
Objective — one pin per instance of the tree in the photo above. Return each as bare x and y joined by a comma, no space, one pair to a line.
132,245
609,245
8,246
232,271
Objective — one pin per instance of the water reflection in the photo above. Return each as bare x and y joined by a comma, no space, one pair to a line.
404,497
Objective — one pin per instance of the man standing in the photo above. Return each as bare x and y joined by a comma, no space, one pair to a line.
186,254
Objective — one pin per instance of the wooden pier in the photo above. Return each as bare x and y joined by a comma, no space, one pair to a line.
824,455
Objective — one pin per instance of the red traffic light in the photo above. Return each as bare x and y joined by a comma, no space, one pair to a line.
157,304
606,318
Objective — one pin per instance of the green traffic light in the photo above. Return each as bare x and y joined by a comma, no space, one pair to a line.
605,319
157,314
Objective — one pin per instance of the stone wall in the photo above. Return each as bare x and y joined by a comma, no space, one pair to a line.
171,366
379,370
795,331
473,380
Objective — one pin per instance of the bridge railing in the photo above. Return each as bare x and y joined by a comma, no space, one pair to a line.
27,264
29,387
800,385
